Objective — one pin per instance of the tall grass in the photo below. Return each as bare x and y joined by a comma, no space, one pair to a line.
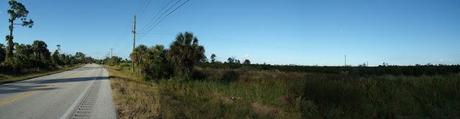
251,93
383,97
225,93
134,97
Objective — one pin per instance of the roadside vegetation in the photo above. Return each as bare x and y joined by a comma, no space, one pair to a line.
8,78
180,82
23,61
134,97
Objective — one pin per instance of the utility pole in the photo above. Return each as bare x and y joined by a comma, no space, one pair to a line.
111,52
134,41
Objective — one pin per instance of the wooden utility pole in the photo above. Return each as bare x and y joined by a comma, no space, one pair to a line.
134,41
345,60
111,52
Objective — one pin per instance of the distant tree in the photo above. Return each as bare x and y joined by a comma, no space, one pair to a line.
56,58
362,65
16,11
213,58
184,53
247,62
67,59
41,53
114,60
137,56
24,56
233,60
80,57
2,53
156,65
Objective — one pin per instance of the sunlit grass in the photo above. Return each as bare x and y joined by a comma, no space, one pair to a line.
134,97
244,93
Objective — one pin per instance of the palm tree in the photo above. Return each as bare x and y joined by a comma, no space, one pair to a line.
213,58
184,53
137,56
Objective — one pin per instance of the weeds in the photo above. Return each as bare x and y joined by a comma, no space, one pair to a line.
249,93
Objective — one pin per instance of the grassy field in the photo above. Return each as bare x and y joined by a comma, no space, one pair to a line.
249,93
8,78
133,97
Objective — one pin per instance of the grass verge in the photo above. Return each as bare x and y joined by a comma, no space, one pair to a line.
4,78
247,93
134,98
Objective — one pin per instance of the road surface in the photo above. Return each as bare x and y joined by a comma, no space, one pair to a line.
80,93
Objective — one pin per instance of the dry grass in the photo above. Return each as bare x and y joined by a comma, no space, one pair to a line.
134,98
243,93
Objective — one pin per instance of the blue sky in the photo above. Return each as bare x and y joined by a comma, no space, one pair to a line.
306,32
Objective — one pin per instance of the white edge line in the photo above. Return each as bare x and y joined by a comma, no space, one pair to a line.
72,107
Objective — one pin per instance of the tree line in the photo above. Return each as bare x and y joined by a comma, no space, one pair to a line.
18,58
36,56
179,60
158,62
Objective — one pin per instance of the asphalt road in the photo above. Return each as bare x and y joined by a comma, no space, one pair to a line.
80,93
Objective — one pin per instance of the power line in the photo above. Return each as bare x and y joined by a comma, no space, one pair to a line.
145,6
163,18
140,6
162,11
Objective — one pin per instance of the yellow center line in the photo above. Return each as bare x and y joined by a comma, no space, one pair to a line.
14,98
73,75
21,95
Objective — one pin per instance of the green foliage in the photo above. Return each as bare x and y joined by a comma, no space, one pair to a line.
381,97
114,60
152,61
41,54
247,62
80,57
185,53
158,63
33,58
417,70
232,60
16,11
213,58
138,55
228,94
242,93
57,58
235,90
29,56
2,53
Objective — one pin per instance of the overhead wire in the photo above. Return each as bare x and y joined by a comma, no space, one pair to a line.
164,17
161,12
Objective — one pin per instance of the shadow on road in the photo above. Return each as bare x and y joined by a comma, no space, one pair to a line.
87,68
40,85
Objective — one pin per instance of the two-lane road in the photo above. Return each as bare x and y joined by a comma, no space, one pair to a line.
80,93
